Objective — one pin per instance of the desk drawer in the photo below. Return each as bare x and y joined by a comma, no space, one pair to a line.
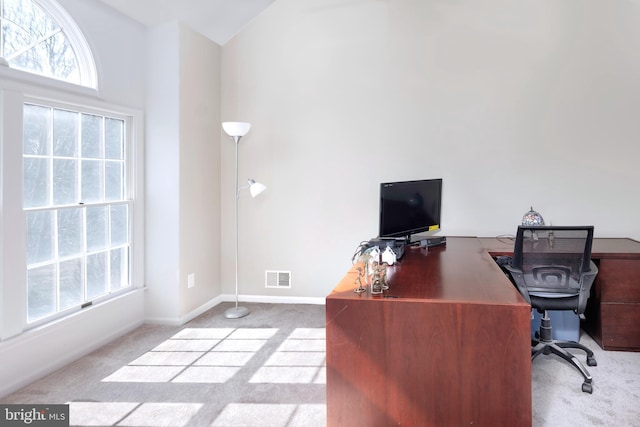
619,280
620,326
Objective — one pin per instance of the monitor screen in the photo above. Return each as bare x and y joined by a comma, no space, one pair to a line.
410,207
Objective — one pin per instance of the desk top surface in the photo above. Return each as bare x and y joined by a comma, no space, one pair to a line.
602,247
461,271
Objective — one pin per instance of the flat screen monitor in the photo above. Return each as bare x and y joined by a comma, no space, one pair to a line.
410,207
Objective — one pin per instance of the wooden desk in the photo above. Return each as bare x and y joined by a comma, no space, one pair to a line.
613,310
451,348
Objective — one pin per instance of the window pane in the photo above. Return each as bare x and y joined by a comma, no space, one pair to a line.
92,178
71,283
78,246
64,182
113,183
41,292
114,138
58,53
14,38
32,40
40,242
65,133
92,136
36,130
96,275
119,225
36,182
97,227
30,18
70,232
119,268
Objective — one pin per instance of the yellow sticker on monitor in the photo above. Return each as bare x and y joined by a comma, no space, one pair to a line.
434,227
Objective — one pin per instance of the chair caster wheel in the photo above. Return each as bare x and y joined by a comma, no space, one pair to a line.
587,387
592,361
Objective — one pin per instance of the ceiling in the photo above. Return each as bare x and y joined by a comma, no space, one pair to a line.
218,20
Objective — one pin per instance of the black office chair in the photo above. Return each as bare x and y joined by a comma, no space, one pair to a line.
552,268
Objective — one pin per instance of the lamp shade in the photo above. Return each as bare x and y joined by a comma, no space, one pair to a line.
532,218
255,188
236,128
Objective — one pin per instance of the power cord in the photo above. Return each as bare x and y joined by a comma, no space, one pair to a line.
506,238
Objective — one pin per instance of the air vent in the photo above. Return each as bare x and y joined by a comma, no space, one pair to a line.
277,279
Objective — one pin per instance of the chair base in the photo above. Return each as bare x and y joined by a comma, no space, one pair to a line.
545,345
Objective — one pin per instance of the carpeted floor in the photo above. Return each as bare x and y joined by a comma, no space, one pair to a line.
558,399
268,369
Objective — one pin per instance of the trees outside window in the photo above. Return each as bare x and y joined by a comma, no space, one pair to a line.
38,37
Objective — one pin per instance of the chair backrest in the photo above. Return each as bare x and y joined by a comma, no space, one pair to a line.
553,261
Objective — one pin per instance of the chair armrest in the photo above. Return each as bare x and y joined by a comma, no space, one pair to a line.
587,280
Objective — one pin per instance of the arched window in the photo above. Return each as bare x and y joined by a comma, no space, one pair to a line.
39,37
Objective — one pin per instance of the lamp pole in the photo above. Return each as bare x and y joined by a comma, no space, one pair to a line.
236,312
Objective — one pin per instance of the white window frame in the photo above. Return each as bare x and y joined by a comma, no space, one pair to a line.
14,93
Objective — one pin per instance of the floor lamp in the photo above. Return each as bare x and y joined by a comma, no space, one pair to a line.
237,130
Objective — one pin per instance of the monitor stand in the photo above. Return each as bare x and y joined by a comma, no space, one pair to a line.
429,242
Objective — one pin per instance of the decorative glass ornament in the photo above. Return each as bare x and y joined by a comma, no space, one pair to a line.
532,218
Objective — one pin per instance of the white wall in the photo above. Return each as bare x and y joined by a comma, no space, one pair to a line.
513,104
183,174
200,133
162,175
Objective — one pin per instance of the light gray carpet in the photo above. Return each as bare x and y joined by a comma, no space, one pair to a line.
268,369
558,399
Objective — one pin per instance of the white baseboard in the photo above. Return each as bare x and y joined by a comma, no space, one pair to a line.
268,299
179,321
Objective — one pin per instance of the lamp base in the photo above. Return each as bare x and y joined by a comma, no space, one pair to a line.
236,312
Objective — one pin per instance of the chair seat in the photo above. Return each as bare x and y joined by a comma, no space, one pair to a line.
556,302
